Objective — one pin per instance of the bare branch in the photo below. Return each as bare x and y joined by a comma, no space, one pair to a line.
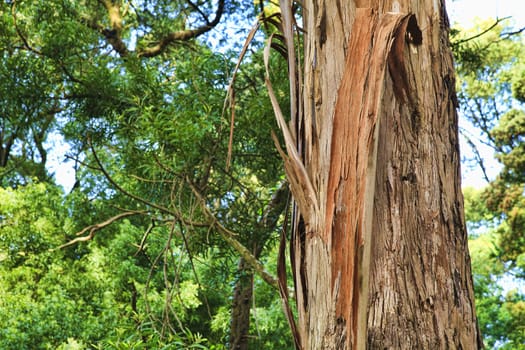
96,227
198,10
512,33
477,155
142,245
498,21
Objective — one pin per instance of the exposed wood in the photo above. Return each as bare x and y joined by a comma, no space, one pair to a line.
327,31
350,192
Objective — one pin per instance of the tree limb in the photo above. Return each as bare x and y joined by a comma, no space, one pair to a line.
94,228
498,21
183,35
225,233
477,155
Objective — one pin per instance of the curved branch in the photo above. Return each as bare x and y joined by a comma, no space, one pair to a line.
183,35
94,228
122,190
498,21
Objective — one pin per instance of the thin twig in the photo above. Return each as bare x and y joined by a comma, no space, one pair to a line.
498,21
122,190
229,237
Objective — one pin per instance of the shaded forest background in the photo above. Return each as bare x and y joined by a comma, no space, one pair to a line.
162,240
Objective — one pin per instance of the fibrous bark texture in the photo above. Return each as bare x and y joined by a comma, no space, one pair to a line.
381,260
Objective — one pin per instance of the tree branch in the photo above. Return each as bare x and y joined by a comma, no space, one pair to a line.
498,21
113,35
512,33
94,228
477,155
183,35
197,9
122,190
229,237
226,234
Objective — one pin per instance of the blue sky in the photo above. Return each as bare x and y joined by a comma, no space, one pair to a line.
464,12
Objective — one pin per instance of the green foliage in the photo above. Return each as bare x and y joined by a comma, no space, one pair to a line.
477,214
146,135
490,68
53,299
490,82
44,296
499,312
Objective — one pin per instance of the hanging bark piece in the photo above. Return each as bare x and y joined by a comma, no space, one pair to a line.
300,185
350,192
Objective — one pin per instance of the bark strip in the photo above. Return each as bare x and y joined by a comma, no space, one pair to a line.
350,193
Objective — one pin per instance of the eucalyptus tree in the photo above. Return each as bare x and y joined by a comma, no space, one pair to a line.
380,255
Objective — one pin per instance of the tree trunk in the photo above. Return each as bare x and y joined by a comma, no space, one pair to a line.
243,290
379,253
241,306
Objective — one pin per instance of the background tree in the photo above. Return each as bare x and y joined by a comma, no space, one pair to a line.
149,137
490,68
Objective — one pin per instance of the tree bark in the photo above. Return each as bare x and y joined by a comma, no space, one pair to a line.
382,260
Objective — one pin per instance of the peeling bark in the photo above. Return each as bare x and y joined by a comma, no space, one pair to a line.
384,263
352,174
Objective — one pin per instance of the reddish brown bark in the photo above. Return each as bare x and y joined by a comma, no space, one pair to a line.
351,183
